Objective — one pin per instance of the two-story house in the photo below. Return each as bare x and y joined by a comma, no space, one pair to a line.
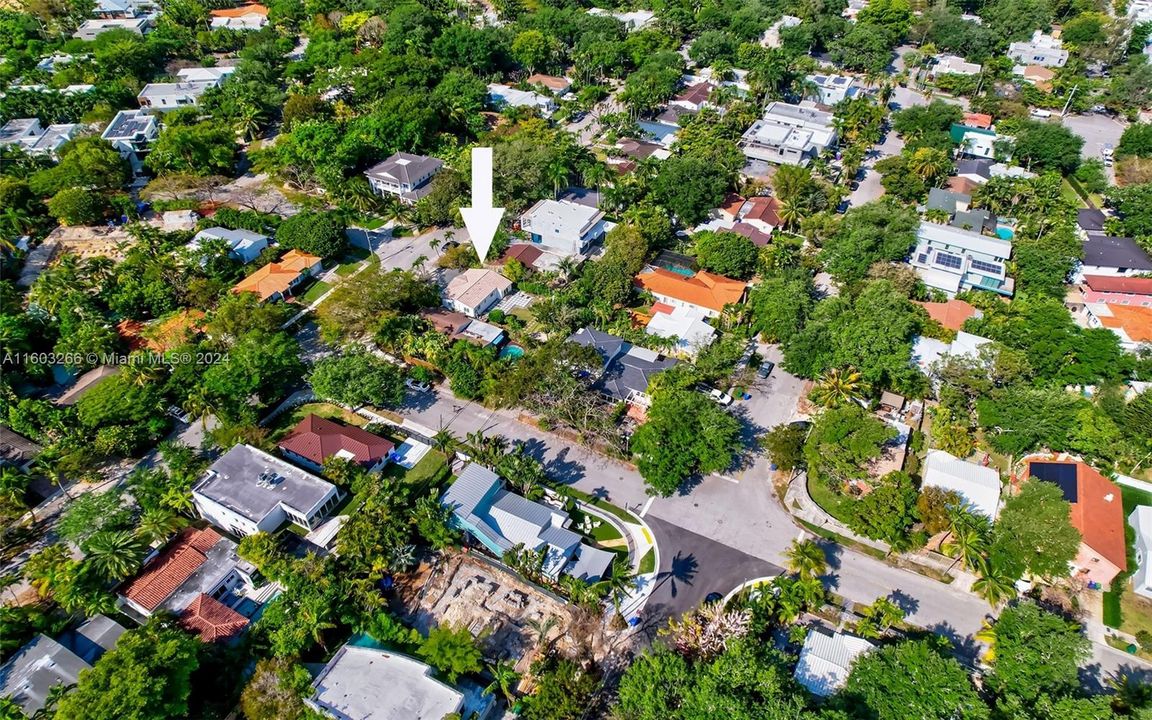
132,133
404,175
789,134
564,227
952,259
474,291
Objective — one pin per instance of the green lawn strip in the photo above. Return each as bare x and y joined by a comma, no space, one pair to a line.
847,542
648,562
318,288
604,532
598,502
838,506
1132,497
1112,614
431,471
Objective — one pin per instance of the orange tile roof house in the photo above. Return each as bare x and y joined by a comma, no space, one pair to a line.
316,439
951,314
557,85
197,562
276,280
706,291
252,16
212,620
1097,511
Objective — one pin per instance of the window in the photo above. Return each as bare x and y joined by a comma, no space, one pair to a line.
922,258
987,267
948,261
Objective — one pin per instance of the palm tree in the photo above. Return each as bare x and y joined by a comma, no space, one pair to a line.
248,121
504,679
995,586
178,499
806,558
114,554
357,194
928,163
558,173
879,617
966,541
484,449
542,627
157,524
837,387
444,441
200,405
618,584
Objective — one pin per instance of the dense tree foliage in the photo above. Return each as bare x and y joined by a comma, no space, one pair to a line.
686,434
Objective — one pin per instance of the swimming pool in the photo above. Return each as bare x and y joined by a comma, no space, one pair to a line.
1005,233
514,352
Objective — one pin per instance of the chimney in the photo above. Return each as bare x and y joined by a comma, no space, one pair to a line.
1108,497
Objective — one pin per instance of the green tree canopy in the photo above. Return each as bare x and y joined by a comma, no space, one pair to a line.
358,378
1037,653
686,433
843,439
726,253
313,232
1034,533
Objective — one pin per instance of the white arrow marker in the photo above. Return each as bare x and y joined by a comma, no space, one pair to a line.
482,219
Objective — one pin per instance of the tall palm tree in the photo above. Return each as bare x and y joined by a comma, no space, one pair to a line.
114,554
178,499
879,617
618,584
966,541
995,586
557,172
838,387
444,441
200,405
806,558
158,524
504,679
542,627
248,120
928,163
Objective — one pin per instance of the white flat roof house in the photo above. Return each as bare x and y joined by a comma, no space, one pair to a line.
404,175
789,134
373,684
685,324
832,89
635,20
1141,522
501,96
926,351
978,486
474,291
1042,49
564,227
954,65
247,490
245,245
37,140
193,83
89,29
953,259
131,132
826,660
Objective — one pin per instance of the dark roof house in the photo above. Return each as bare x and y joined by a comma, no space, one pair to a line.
15,449
1091,219
627,370
1119,253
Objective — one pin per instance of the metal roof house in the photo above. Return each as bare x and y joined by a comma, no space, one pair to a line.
35,139
89,29
192,84
247,490
404,175
627,369
500,520
978,486
953,259
789,134
244,245
501,96
826,660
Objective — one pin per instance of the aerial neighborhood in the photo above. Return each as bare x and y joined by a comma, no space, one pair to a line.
570,360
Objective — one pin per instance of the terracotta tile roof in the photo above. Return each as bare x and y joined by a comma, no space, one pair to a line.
1136,322
211,619
277,277
696,94
704,288
951,314
558,84
764,209
317,438
732,204
1130,286
758,237
978,120
249,9
1098,511
1038,72
962,185
524,253
171,568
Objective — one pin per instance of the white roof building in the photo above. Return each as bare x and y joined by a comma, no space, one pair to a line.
826,660
37,140
927,351
1042,49
685,324
977,486
635,20
89,29
953,259
505,96
474,291
789,134
954,65
1141,522
245,245
832,89
563,226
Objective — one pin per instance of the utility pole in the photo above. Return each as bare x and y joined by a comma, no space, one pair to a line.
1069,100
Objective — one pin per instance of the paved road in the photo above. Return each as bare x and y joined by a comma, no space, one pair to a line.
1097,131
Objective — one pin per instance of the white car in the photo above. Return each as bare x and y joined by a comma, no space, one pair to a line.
1041,114
417,385
719,396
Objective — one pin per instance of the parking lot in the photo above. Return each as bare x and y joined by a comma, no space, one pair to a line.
1097,131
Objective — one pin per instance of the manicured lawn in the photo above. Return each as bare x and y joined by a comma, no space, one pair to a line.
648,562
838,506
352,261
288,420
1133,497
431,470
605,532
1069,193
1112,612
318,288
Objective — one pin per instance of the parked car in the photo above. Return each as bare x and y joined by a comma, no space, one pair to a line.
449,245
766,368
1041,114
177,413
719,396
417,385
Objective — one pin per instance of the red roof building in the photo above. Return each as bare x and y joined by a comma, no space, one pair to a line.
758,237
951,314
316,439
762,212
171,568
212,620
978,120
524,253
1096,510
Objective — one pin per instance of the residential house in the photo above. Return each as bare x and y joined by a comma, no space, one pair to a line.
977,485
663,128
1132,325
198,563
501,520
368,683
186,92
953,259
404,175
90,29
474,291
244,245
826,659
555,85
564,227
502,96
1091,220
953,65
980,170
1042,49
1116,290
762,212
84,384
951,314
1141,521
627,369
534,257
29,676
789,134
771,38
1140,11
1115,256
16,450
119,9
948,201
35,139
831,89
729,210
705,292
276,280
54,62
979,142
211,620
854,8
1035,75
641,149
459,326
978,120
1096,510
315,439
246,490
252,16
684,324
633,21
926,351
695,97
132,132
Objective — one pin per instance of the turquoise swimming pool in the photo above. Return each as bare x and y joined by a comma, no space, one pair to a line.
515,352
1005,233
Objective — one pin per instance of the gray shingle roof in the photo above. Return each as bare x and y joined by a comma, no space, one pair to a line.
1119,252
627,368
35,669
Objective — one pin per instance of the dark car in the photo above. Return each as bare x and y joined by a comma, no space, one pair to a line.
765,369
713,597
449,245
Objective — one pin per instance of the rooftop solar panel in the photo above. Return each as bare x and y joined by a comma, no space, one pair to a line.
1062,475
